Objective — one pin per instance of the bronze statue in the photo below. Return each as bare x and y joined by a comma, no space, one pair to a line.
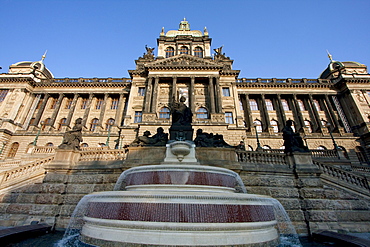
159,139
181,114
73,138
292,141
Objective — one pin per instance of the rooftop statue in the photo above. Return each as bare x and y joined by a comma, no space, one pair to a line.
72,138
149,53
292,141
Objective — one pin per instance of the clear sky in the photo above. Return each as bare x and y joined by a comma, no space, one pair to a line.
266,38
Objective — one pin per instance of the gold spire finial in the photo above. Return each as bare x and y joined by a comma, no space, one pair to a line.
43,56
330,56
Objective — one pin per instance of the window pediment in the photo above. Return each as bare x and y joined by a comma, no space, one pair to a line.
183,60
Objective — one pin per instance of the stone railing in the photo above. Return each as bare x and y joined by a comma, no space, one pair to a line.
102,155
365,169
43,150
276,80
275,151
347,177
262,158
319,153
18,176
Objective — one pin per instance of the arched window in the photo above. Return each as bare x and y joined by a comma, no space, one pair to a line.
184,50
253,104
258,125
274,124
84,145
13,150
49,144
269,105
94,124
109,124
170,52
62,122
202,113
285,105
198,52
266,147
344,151
308,126
321,148
250,148
361,155
164,113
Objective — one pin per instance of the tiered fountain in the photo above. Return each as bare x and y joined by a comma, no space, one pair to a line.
179,203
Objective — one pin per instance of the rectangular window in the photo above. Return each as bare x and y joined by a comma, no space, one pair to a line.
317,105
99,103
83,103
68,104
285,104
53,103
3,94
229,118
226,91
141,91
138,117
114,104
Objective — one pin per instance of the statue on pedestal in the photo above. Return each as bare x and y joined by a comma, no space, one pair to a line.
73,138
292,141
181,128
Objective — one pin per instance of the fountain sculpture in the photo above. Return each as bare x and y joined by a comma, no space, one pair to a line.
179,203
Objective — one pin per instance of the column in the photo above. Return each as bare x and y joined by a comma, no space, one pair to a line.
264,113
119,111
174,90
280,112
32,110
56,110
248,113
87,110
102,110
331,112
218,96
313,111
211,95
154,96
192,94
148,95
41,110
72,109
297,113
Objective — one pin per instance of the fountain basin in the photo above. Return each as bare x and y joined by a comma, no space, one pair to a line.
179,219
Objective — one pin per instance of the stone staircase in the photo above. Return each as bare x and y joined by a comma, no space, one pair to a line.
316,194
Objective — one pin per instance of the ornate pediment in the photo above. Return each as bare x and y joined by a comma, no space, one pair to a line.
183,61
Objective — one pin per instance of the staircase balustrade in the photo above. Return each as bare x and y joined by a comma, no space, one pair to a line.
262,158
103,155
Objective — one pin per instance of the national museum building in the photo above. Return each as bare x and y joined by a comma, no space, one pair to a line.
330,112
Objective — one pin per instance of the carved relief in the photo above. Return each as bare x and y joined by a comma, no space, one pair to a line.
219,118
149,117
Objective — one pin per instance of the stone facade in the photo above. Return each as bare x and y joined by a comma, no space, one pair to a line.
116,110
36,110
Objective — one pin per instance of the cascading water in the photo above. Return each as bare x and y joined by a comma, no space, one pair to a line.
179,204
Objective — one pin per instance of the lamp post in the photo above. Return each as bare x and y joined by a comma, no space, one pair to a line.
121,141
108,137
38,133
259,148
327,125
2,148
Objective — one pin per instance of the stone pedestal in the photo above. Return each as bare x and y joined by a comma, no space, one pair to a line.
64,160
181,132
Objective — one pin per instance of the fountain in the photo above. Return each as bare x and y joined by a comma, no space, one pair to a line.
179,203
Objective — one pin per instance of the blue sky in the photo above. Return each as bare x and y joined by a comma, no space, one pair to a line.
266,38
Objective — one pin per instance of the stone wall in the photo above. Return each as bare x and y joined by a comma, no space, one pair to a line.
311,202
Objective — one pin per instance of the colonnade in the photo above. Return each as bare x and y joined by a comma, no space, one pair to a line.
40,102
153,82
317,109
